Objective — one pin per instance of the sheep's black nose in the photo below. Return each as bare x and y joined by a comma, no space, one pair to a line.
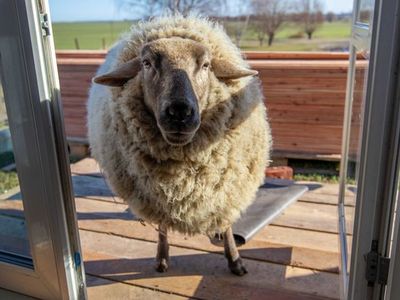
180,111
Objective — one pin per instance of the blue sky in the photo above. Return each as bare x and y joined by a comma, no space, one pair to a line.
93,10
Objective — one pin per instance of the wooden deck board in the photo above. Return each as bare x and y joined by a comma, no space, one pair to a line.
101,288
312,216
115,218
326,188
198,274
114,212
85,166
127,253
308,215
294,258
89,166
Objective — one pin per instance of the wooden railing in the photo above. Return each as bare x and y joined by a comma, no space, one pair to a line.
304,94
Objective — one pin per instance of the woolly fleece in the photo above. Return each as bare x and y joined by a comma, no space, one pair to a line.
201,187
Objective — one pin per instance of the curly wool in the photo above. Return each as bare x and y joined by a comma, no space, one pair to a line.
201,187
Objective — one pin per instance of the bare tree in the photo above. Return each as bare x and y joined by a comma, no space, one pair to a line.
150,8
259,29
310,15
270,16
330,17
236,27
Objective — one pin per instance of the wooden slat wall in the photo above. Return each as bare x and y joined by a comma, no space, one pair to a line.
304,94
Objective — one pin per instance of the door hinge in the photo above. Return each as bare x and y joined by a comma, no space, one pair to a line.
377,266
44,22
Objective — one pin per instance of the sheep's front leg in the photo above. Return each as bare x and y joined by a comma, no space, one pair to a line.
232,254
162,250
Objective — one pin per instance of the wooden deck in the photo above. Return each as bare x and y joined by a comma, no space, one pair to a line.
296,257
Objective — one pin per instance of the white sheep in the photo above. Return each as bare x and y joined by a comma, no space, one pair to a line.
182,133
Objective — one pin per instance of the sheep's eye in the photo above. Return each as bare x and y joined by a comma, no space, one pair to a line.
206,65
146,64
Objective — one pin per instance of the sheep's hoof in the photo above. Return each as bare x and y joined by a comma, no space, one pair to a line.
237,267
162,266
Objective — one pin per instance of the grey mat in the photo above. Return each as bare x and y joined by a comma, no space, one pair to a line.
271,200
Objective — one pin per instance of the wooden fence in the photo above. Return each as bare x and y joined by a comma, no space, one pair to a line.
304,94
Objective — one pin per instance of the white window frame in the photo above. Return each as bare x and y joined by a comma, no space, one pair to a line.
378,166
31,89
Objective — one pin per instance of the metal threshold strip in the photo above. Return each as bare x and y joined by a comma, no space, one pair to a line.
273,197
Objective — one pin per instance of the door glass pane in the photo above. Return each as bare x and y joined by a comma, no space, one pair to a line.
13,232
360,81
365,11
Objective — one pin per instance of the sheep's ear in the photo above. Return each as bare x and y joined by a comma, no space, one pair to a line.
226,70
120,75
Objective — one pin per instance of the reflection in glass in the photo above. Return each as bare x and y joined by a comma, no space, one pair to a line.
13,233
360,84
365,11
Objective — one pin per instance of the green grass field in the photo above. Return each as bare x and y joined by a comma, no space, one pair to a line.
90,35
8,180
329,35
99,35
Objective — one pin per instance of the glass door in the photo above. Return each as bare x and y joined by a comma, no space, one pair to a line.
39,242
369,149
393,286
359,53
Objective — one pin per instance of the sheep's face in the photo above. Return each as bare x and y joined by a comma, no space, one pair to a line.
175,76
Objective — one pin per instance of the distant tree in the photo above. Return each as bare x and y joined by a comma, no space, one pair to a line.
310,15
330,17
150,8
270,15
236,27
259,29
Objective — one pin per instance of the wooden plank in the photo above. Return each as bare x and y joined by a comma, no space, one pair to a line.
89,166
316,85
199,274
311,216
298,55
82,61
311,213
120,213
86,166
304,64
115,218
95,210
326,199
246,54
306,215
296,237
100,288
300,238
315,188
257,248
81,53
326,188
94,187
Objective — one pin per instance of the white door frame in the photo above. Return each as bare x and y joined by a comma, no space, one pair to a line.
31,90
377,184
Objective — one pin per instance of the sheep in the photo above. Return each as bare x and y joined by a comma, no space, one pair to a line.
177,122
